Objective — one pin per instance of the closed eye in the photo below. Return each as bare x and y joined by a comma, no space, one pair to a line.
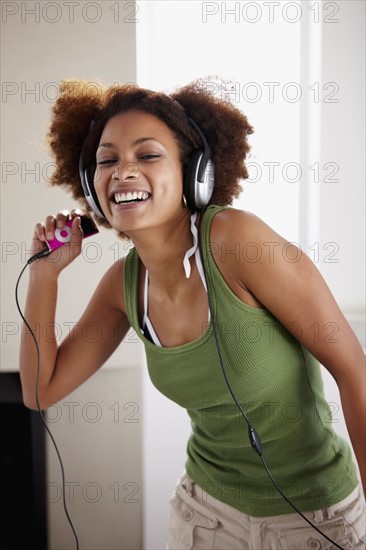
149,157
108,161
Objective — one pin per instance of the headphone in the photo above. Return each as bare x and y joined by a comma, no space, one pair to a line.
198,179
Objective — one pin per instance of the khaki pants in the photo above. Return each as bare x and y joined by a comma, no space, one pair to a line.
200,521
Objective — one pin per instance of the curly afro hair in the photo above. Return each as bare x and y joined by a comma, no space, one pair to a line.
83,108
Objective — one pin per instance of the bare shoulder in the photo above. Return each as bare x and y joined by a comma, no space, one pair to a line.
248,244
258,255
233,225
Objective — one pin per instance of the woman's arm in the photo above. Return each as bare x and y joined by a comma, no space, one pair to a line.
297,295
64,367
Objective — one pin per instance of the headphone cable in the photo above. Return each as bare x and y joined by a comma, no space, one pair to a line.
41,254
252,434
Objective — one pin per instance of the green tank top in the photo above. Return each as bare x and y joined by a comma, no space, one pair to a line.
279,385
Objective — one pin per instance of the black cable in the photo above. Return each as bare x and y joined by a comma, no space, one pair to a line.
252,434
42,254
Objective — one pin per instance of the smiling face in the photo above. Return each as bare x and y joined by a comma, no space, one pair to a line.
138,179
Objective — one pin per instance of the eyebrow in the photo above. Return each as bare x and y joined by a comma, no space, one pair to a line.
136,142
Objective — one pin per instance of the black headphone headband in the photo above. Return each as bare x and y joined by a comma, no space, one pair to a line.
206,148
198,181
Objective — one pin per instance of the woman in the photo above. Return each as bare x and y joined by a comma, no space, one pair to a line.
207,290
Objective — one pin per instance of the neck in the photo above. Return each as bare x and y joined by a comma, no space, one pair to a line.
162,251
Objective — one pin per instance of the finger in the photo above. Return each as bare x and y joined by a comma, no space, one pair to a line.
61,218
76,212
76,228
39,232
50,227
76,237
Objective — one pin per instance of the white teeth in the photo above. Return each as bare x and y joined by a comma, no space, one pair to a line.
131,196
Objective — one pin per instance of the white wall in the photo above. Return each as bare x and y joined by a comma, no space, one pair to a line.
259,50
342,219
41,44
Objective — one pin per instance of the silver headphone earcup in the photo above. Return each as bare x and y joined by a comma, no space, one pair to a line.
203,189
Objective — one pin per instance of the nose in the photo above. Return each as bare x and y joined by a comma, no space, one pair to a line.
126,171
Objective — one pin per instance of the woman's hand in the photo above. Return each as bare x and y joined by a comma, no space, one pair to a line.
61,257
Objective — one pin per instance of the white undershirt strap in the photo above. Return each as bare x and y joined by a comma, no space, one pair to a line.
146,321
194,250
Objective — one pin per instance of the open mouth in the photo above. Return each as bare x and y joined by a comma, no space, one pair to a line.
135,196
